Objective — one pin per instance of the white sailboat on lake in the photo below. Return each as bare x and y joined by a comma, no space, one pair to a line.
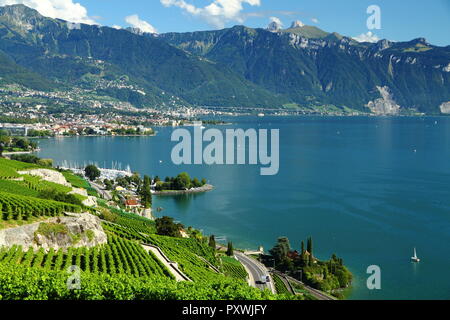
415,258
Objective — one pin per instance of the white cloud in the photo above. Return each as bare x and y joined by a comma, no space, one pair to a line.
144,26
315,20
277,21
367,37
116,27
218,13
61,9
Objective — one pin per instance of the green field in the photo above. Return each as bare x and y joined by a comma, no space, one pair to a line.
79,182
280,287
234,268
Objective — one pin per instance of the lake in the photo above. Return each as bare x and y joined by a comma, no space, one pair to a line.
368,189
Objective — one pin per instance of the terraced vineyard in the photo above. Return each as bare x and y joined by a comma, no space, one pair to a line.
80,183
37,184
234,268
279,285
17,187
120,269
17,207
20,282
124,232
136,223
187,253
9,168
7,173
130,221
119,256
16,165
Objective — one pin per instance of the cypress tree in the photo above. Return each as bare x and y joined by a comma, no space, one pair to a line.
146,193
230,250
310,246
212,242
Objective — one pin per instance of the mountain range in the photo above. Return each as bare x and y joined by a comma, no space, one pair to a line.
302,67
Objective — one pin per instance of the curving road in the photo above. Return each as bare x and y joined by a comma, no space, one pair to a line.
256,271
102,192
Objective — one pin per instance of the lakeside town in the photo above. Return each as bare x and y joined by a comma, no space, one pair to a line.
35,120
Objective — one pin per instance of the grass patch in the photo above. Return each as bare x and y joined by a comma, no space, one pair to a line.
90,235
7,224
79,182
49,229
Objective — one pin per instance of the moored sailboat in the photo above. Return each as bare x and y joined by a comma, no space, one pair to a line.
415,258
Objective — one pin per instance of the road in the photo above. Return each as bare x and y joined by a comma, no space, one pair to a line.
102,192
256,271
319,295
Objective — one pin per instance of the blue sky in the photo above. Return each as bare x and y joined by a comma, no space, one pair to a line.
401,20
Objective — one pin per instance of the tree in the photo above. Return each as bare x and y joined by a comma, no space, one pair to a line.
146,193
1,150
230,249
109,185
136,179
196,183
45,162
92,172
166,226
281,249
212,241
309,246
303,248
28,158
182,181
21,143
5,140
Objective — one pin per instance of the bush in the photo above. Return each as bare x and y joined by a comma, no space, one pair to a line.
61,197
28,158
92,172
166,226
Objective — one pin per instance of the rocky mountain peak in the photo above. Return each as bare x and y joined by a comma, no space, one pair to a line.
297,24
135,30
21,18
420,41
384,44
274,26
19,12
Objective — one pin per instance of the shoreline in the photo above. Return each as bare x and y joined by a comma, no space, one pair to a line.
96,135
204,189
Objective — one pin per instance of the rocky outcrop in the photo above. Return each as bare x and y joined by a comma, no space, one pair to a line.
81,192
73,230
384,105
48,175
88,201
147,213
445,108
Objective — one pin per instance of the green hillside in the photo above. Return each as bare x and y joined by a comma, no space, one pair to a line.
90,55
121,269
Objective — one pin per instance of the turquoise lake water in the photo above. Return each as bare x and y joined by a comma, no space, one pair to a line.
367,189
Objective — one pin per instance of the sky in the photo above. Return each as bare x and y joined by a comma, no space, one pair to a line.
398,20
